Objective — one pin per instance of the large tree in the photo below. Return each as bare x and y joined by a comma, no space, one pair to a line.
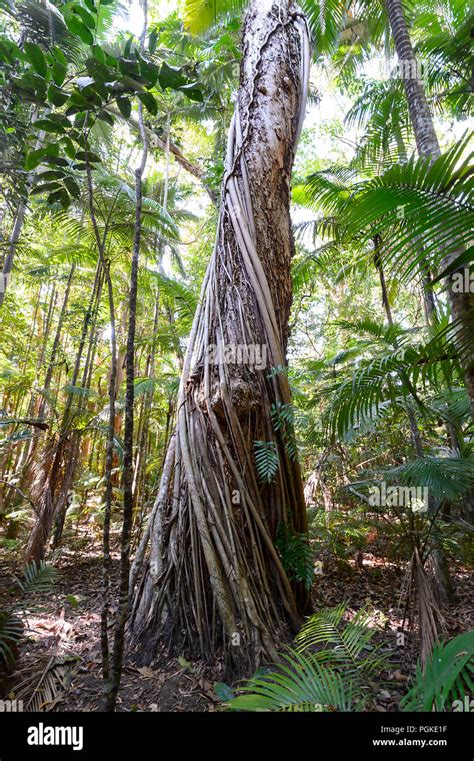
231,479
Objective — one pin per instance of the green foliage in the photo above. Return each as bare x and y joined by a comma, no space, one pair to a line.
283,422
36,578
71,99
345,644
300,683
266,460
339,532
11,632
446,477
296,554
334,678
447,676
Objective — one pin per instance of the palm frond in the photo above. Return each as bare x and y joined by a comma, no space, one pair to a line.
299,683
447,676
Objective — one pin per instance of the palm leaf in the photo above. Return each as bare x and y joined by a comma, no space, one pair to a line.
299,683
448,675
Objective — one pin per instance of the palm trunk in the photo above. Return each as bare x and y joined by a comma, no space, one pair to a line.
440,566
13,242
127,479
51,487
214,577
462,304
56,341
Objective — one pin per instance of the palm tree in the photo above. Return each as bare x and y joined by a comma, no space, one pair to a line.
462,303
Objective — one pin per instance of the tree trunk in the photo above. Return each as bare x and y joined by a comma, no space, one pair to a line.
214,577
13,242
50,487
462,304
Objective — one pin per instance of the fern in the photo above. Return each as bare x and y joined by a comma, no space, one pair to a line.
344,644
300,683
266,460
296,555
283,416
36,578
11,630
332,679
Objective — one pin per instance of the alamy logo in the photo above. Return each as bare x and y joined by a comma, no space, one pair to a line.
254,355
464,706
414,497
463,282
41,735
11,706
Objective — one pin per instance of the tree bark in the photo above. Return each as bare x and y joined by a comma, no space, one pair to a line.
214,577
13,242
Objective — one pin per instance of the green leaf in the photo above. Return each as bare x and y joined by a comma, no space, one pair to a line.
35,158
72,187
57,160
36,57
69,148
59,56
51,174
59,71
11,629
149,102
77,27
46,188
223,691
37,578
48,126
73,601
447,675
106,117
86,17
266,459
128,46
60,196
10,52
98,53
170,76
152,41
83,167
56,96
149,71
125,107
192,91
89,156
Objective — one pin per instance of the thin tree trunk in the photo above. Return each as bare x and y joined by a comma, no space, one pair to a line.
56,341
127,478
49,486
440,566
13,242
101,242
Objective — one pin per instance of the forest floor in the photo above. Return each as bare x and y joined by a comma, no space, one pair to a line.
61,656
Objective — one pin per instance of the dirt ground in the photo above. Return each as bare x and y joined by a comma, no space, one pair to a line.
60,663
